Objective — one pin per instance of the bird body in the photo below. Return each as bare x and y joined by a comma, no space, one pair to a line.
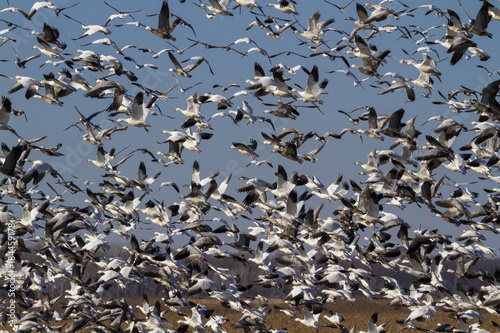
313,88
139,113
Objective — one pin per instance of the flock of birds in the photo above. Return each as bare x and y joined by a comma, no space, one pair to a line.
305,237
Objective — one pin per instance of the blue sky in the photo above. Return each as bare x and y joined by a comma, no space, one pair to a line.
338,156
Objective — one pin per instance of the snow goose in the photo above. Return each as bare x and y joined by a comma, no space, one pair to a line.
484,130
48,50
314,28
276,34
290,70
448,128
428,65
165,27
14,10
47,5
5,111
155,55
246,112
104,158
288,150
106,41
104,85
262,82
196,320
89,29
200,122
488,104
364,52
37,171
313,89
284,110
380,13
250,4
260,50
90,59
217,7
142,182
103,134
396,85
310,319
284,6
493,11
372,166
480,24
459,45
361,23
348,73
120,14
22,64
341,9
254,184
175,136
330,193
183,71
225,89
202,59
222,102
283,185
194,139
482,167
246,149
193,107
174,153
477,52
372,325
139,113
62,85
432,8
50,95
281,89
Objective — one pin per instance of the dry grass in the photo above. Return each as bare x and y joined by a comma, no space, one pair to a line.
355,313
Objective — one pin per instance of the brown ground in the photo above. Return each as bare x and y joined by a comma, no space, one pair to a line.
354,313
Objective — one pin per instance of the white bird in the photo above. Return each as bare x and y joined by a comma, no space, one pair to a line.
313,88
155,55
14,10
90,29
106,41
250,4
37,171
284,6
349,74
120,14
183,71
193,107
47,5
372,325
218,7
52,52
222,102
363,52
314,28
138,114
24,81
428,65
310,319
5,111
195,321
202,284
